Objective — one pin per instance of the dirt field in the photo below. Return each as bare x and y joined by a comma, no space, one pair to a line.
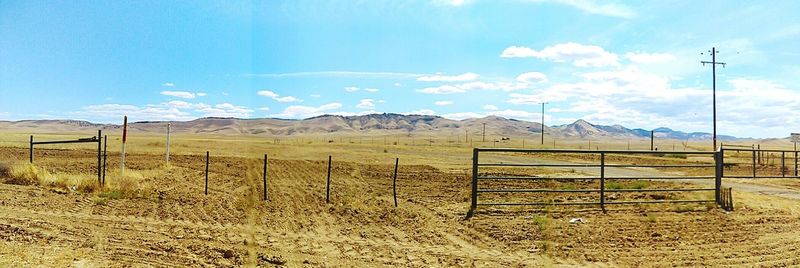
168,221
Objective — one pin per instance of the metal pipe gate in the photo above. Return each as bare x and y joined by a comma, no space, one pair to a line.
602,176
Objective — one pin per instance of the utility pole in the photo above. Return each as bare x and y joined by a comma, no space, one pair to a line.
484,132
652,136
543,103
714,64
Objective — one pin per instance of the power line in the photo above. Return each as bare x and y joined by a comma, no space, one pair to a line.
714,64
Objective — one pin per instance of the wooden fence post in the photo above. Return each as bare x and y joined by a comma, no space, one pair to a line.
328,184
474,204
394,181
265,177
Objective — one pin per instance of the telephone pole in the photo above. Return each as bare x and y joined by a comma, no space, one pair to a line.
714,64
484,132
543,103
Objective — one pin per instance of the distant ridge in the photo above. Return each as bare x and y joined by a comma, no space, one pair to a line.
385,123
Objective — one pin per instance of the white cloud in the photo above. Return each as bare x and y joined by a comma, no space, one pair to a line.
316,95
366,104
136,113
580,55
421,112
649,57
350,89
179,94
451,78
397,84
263,109
223,110
168,84
595,7
371,89
532,78
478,85
350,74
462,116
276,97
201,94
299,111
489,107
179,104
443,103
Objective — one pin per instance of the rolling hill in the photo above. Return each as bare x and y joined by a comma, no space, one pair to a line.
386,123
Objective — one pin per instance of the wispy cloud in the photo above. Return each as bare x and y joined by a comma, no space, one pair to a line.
448,78
168,84
366,104
649,57
580,55
179,94
350,74
443,103
595,7
299,111
276,97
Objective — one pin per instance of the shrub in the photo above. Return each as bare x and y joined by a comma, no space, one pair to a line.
5,170
26,174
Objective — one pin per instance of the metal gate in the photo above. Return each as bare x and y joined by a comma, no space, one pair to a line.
596,162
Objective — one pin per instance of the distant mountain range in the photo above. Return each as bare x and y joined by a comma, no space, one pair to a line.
386,123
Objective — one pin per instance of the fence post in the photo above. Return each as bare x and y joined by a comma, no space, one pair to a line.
105,157
31,152
328,184
783,164
795,163
721,162
718,176
603,181
206,173
474,204
754,164
99,156
394,181
265,177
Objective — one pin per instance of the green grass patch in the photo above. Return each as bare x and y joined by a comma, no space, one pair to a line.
110,194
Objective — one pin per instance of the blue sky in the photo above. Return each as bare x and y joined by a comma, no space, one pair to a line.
631,63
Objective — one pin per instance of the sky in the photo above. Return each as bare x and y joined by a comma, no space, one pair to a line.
637,63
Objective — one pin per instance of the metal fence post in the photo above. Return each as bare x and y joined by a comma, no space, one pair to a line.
105,157
31,152
328,184
721,162
783,164
754,164
795,163
394,181
603,181
474,194
206,173
99,157
265,177
718,176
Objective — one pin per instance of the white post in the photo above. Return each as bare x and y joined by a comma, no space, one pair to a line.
124,139
168,124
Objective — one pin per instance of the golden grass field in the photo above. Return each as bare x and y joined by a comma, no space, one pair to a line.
53,213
